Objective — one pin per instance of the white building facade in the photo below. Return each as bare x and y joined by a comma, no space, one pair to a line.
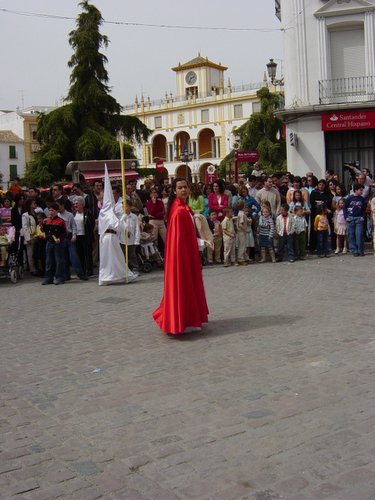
12,157
329,56
196,127
23,123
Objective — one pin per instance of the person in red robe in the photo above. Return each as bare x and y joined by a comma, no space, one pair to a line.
183,307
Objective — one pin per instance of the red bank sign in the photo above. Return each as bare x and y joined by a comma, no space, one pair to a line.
348,120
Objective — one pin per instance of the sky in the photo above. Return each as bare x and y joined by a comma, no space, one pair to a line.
35,49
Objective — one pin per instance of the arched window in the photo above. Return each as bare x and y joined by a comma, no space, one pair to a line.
159,148
206,144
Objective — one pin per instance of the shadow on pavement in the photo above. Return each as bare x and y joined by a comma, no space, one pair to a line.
248,324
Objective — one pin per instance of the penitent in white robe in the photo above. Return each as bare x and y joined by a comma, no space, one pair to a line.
112,267
112,262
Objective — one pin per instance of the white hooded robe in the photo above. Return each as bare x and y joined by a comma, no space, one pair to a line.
112,268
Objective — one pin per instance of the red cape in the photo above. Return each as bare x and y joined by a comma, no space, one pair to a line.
184,301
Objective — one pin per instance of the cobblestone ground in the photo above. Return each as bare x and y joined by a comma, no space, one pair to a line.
276,399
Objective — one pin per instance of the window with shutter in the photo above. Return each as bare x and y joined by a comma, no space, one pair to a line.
205,116
12,152
347,53
12,172
237,111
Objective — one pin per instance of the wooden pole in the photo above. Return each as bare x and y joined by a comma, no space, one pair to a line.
235,167
123,181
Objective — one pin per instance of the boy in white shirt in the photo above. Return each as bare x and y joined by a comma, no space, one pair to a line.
285,230
300,230
134,237
229,238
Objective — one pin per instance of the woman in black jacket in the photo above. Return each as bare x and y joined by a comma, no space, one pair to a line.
16,221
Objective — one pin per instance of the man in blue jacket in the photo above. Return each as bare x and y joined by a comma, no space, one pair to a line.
355,212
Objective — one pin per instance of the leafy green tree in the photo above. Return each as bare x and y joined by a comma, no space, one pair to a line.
263,132
85,127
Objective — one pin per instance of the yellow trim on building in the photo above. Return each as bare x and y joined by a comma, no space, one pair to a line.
224,100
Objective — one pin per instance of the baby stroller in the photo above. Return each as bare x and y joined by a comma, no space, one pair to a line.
148,255
10,267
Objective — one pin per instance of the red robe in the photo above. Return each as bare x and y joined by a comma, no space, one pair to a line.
184,301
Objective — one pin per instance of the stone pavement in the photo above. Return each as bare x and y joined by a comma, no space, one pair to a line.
276,399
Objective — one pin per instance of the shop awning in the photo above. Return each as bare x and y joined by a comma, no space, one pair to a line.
94,169
114,175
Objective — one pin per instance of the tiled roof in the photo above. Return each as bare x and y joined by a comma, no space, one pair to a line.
197,62
10,137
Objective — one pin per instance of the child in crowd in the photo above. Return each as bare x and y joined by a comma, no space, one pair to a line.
266,229
134,235
147,238
285,229
340,227
40,245
4,245
300,233
6,211
321,226
242,233
149,250
229,238
298,201
217,233
250,241
55,230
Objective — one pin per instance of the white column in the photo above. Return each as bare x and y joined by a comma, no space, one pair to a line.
168,155
195,148
299,9
322,41
369,43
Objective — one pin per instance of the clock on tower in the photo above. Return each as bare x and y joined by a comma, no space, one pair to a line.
191,77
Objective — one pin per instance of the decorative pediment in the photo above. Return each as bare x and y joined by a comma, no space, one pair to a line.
344,7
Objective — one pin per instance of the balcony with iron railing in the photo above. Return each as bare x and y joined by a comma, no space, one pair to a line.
347,90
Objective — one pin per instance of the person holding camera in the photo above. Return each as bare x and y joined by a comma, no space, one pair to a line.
361,177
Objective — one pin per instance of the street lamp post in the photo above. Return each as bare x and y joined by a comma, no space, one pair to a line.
271,71
236,147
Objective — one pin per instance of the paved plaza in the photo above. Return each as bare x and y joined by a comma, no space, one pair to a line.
274,400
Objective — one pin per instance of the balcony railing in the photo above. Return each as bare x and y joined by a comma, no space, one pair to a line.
346,90
200,97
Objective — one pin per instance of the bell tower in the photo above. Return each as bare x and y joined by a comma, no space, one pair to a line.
199,77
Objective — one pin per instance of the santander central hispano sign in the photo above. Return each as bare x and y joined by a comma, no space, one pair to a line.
348,120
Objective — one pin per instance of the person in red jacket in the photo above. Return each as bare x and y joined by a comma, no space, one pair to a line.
218,200
183,307
156,213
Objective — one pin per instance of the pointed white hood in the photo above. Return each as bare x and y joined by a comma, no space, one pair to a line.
107,217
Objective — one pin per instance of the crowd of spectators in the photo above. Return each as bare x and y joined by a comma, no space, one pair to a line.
281,216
